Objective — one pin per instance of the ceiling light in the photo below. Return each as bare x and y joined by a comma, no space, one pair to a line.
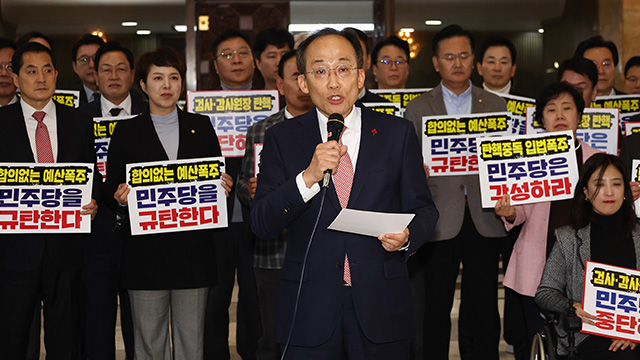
556,65
433,22
407,30
143,32
541,31
180,28
129,23
314,27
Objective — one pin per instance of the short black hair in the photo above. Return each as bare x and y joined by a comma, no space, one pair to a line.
163,56
113,46
553,91
226,35
272,36
582,66
6,43
497,40
448,32
390,41
86,39
583,209
634,61
29,47
33,35
596,42
361,36
349,36
288,55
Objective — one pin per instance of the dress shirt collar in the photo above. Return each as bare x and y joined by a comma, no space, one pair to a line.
353,122
106,106
287,114
90,93
457,104
362,93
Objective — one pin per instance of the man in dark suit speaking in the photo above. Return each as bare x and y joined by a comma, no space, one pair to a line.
42,266
355,298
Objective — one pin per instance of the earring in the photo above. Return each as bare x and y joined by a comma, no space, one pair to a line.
625,198
586,198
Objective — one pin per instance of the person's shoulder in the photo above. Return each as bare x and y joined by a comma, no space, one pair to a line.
385,120
285,127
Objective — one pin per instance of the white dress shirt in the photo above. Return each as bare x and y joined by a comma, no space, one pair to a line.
32,124
106,106
350,137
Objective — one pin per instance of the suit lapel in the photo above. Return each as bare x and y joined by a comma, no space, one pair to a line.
366,157
186,142
18,129
437,101
477,104
152,142
65,133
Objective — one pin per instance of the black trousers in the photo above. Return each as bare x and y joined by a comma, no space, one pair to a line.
348,341
102,255
268,283
479,320
234,251
61,294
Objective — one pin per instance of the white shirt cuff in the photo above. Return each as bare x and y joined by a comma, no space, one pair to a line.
306,193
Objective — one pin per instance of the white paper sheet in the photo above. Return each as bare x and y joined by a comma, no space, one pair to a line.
369,222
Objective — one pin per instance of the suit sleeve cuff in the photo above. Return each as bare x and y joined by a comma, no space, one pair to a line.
306,193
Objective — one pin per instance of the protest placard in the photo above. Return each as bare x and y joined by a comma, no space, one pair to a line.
232,112
179,195
45,198
598,128
612,295
530,168
103,128
449,142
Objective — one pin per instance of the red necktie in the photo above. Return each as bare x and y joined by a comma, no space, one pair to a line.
115,111
43,142
343,179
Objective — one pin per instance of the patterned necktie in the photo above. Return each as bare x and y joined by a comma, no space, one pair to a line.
343,179
43,142
115,111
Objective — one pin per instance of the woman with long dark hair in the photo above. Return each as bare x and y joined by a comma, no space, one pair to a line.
604,229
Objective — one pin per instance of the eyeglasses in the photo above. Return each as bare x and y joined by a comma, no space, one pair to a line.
6,67
322,71
84,60
452,57
228,55
604,64
388,63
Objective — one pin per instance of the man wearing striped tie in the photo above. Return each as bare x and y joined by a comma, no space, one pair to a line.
45,267
350,297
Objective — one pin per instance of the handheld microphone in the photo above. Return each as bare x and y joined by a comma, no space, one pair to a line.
335,126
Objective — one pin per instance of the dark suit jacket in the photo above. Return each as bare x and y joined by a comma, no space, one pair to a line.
93,109
389,178
170,260
449,191
370,97
75,144
630,148
104,244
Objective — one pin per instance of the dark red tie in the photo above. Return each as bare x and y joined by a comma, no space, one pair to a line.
115,111
343,179
43,142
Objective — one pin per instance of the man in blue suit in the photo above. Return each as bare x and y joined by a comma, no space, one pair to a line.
355,299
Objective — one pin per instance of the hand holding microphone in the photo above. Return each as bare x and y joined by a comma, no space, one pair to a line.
327,155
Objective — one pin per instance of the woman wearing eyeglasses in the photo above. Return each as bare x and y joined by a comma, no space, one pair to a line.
167,275
391,63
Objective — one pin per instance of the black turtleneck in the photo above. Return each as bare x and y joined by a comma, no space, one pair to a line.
611,243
